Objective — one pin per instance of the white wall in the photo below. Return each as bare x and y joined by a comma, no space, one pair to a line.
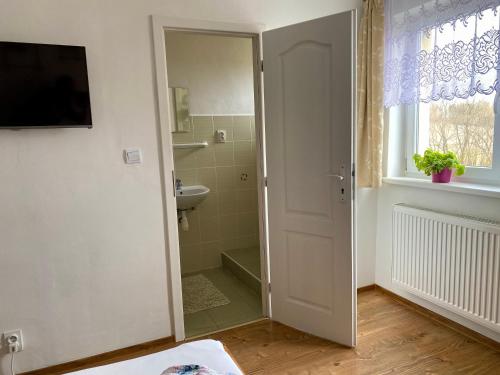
217,70
82,251
366,219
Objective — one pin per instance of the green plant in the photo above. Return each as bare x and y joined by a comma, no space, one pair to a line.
435,161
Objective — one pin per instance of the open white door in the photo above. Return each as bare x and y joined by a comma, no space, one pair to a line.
309,109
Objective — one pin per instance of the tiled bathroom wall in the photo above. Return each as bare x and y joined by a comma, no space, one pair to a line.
228,218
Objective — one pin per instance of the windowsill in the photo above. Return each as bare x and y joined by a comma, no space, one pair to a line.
456,187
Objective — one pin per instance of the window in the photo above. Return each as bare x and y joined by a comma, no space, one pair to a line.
465,126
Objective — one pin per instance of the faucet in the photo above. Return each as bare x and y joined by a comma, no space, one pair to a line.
178,184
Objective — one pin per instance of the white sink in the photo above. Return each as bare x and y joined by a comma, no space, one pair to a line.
190,196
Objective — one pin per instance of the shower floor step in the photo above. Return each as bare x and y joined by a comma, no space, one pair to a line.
245,265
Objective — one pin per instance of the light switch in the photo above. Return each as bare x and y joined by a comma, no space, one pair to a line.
133,156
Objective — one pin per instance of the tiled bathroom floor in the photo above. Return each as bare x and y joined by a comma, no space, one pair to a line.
245,305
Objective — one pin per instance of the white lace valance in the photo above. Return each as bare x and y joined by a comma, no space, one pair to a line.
440,49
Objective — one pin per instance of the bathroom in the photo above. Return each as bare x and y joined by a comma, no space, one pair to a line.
216,160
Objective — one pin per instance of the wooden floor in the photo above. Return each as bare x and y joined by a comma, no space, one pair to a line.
392,339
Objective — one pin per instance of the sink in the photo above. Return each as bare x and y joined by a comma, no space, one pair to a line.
190,196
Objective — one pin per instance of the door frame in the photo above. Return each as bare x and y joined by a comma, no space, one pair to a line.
160,24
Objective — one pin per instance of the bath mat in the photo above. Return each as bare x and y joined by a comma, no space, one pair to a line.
199,293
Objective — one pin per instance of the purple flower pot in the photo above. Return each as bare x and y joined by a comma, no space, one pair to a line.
442,177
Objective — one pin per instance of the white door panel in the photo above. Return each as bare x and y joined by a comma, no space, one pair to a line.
309,106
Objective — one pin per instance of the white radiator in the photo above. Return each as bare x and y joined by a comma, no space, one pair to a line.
450,260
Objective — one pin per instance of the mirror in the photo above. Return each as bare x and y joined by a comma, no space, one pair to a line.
179,103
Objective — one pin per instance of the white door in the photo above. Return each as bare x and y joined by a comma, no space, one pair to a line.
309,110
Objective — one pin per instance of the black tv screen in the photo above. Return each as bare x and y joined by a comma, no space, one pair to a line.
43,85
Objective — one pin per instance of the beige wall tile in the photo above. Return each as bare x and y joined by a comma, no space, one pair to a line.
228,226
247,201
239,242
245,177
209,207
225,178
203,128
187,176
242,128
255,240
227,202
224,123
243,153
248,224
229,243
190,258
207,177
185,159
224,154
205,157
210,254
247,241
209,228
228,218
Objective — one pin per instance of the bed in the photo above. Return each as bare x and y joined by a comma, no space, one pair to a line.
208,353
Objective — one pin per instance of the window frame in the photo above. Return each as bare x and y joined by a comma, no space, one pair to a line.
475,175
472,174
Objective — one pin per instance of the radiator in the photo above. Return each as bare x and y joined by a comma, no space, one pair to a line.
450,260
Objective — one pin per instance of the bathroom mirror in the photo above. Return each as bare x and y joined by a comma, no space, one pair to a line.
179,102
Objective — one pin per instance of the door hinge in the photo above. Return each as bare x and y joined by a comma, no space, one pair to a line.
265,181
173,181
353,174
261,65
269,287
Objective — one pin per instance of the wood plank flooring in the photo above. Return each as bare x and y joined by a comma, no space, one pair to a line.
392,339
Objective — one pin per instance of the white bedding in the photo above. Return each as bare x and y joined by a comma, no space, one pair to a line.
209,353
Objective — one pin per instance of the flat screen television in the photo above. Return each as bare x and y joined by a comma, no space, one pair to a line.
43,86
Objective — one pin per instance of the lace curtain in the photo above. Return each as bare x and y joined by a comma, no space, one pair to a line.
440,49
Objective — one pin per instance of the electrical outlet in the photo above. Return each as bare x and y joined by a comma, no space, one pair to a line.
13,340
220,136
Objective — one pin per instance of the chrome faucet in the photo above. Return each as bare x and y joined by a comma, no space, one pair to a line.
178,184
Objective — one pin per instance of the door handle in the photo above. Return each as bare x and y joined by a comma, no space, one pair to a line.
341,187
340,177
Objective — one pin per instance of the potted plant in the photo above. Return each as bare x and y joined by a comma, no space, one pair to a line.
438,164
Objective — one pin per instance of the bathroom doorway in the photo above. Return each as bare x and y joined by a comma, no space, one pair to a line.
217,167
306,201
